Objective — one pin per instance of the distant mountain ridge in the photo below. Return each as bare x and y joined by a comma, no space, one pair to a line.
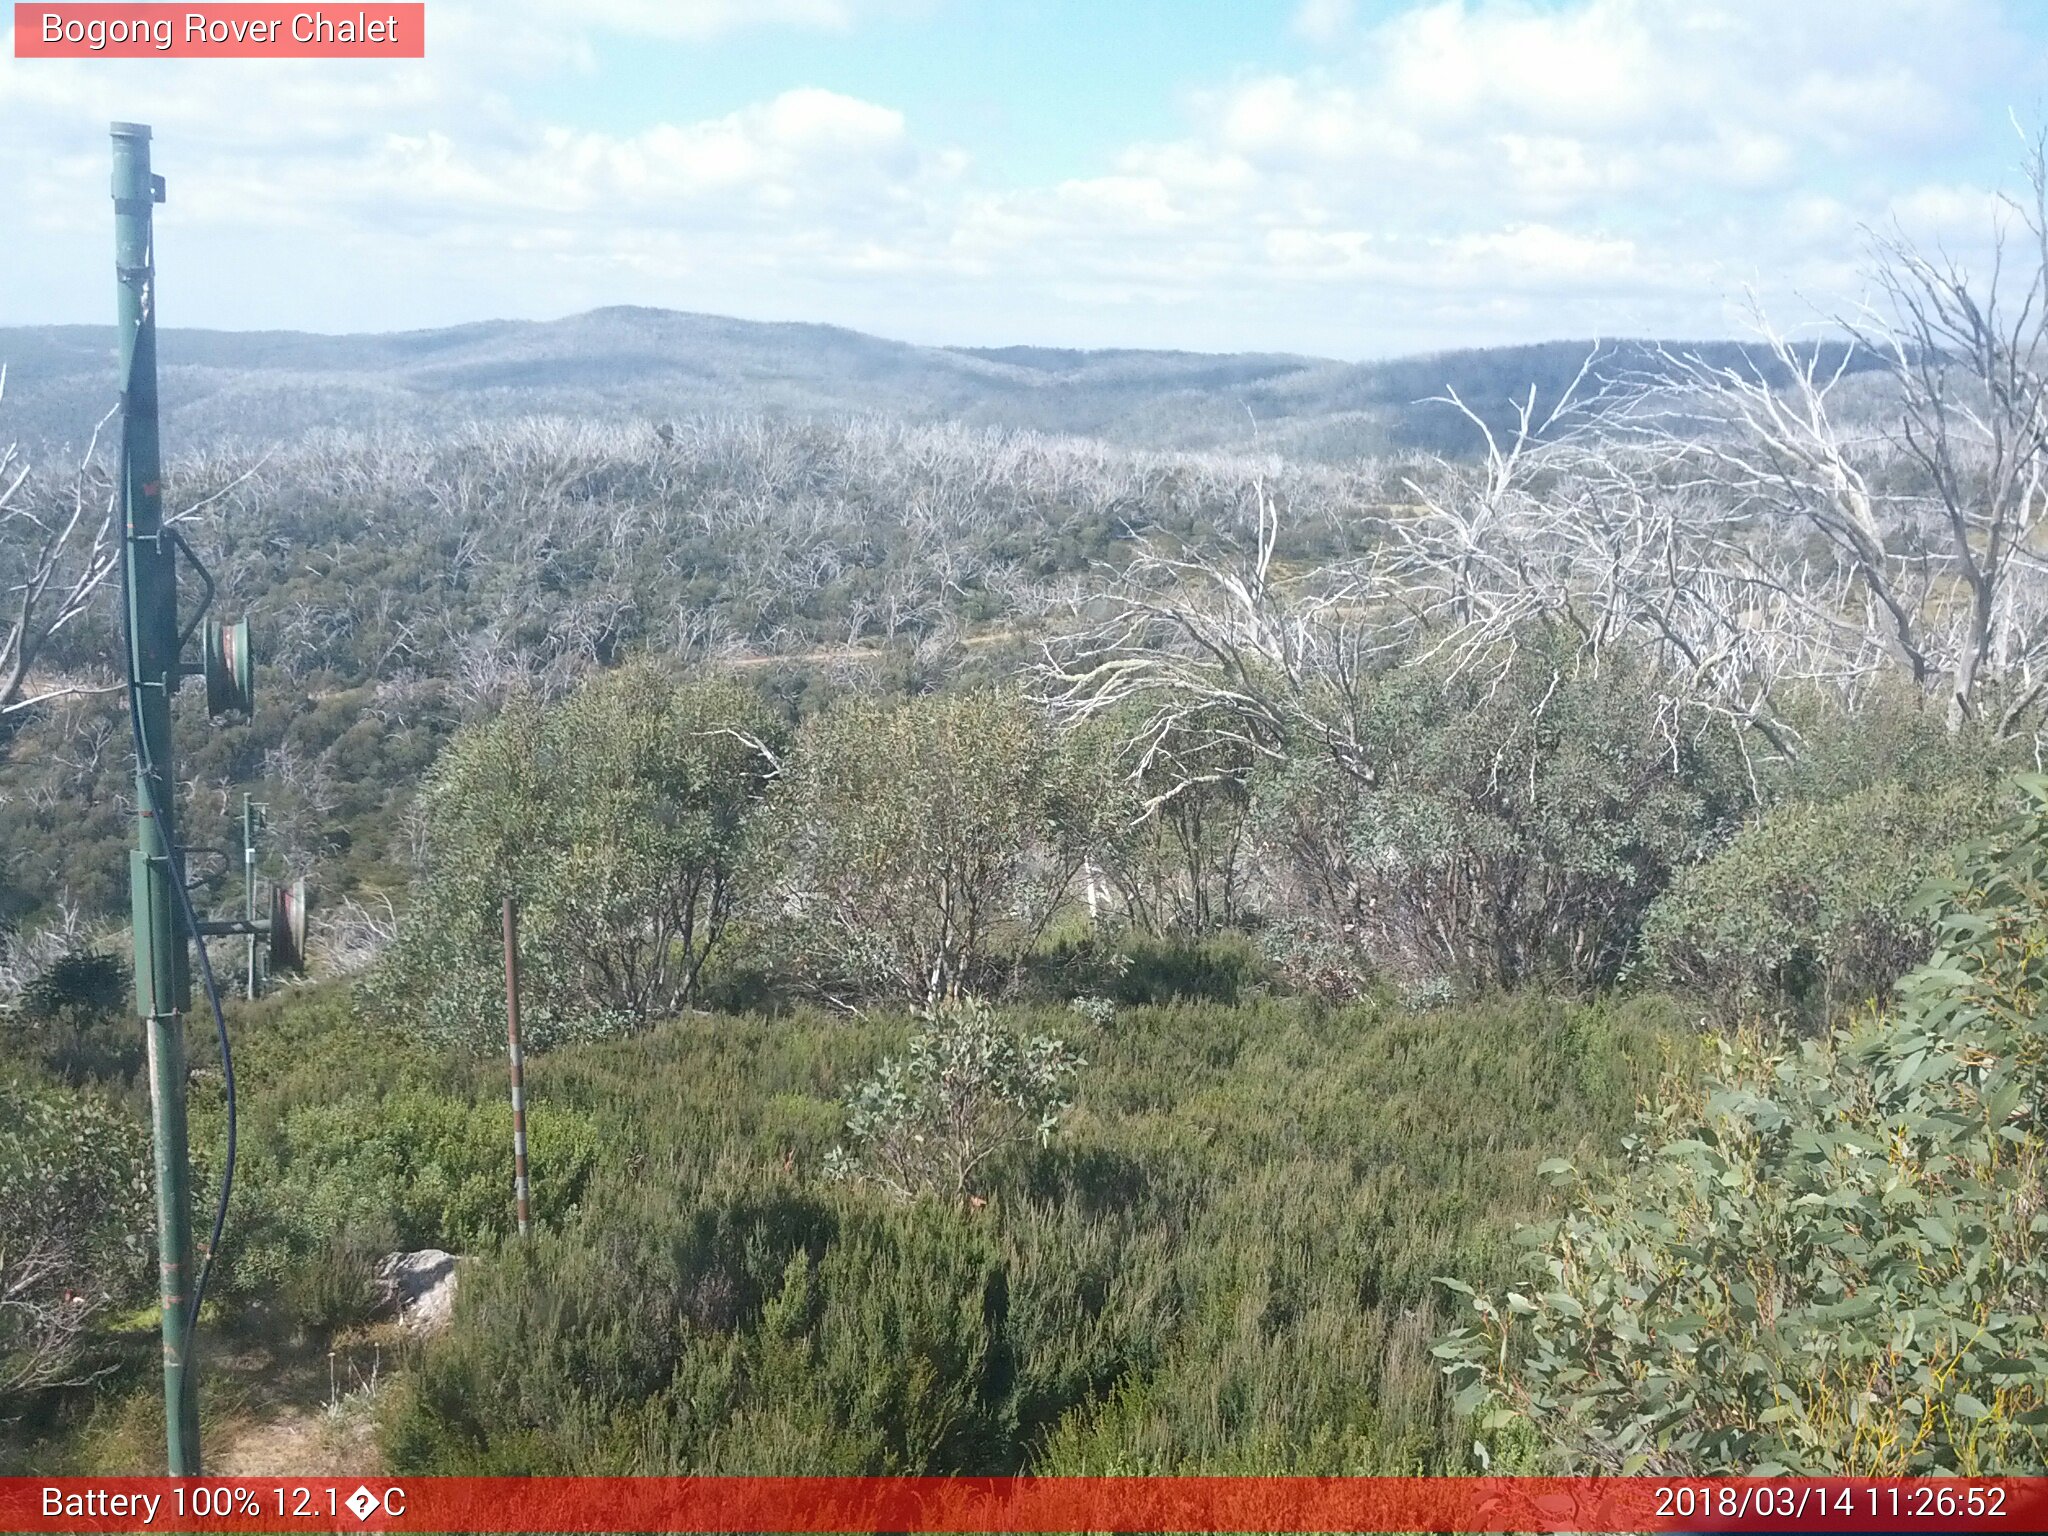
256,387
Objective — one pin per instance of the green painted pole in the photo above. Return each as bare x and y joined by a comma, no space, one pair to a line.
162,982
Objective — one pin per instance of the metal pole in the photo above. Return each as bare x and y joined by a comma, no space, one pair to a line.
249,883
162,982
519,1184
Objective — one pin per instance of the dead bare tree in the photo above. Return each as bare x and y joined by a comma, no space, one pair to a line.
1933,513
1730,521
1229,659
1595,540
1223,656
47,1312
58,546
1974,375
353,934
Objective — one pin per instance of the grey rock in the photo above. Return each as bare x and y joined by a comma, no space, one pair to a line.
420,1287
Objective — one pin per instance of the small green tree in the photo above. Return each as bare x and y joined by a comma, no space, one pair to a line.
75,1226
1832,1256
617,820
652,790
921,845
967,1091
1517,825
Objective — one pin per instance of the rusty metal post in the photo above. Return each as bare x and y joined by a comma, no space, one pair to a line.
519,1184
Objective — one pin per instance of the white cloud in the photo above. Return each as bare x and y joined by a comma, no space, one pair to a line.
1325,21
695,20
1593,65
1589,166
1936,213
1463,171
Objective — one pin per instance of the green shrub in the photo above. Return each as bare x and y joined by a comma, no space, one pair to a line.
747,1329
1827,1258
75,1023
1132,966
1516,827
921,847
1170,819
968,1091
86,979
320,1183
75,1228
337,1286
355,1141
1889,735
617,821
1813,906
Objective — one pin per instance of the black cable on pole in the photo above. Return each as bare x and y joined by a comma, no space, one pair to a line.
227,1074
191,919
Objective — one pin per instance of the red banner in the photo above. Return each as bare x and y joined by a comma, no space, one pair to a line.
967,1504
217,31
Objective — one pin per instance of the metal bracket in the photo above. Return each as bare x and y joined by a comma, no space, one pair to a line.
178,542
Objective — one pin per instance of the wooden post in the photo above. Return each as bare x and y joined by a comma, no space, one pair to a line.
519,1184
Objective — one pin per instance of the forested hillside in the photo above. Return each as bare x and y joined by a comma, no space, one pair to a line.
1068,952
262,390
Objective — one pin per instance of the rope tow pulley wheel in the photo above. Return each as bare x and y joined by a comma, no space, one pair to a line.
288,928
230,669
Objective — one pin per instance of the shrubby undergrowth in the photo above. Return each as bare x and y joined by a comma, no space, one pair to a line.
74,1229
1221,1259
1814,907
1827,1256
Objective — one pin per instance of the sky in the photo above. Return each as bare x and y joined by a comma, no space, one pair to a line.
1337,177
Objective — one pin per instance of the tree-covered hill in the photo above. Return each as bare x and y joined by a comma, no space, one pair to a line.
262,388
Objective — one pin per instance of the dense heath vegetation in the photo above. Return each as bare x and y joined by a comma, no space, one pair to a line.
1058,957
